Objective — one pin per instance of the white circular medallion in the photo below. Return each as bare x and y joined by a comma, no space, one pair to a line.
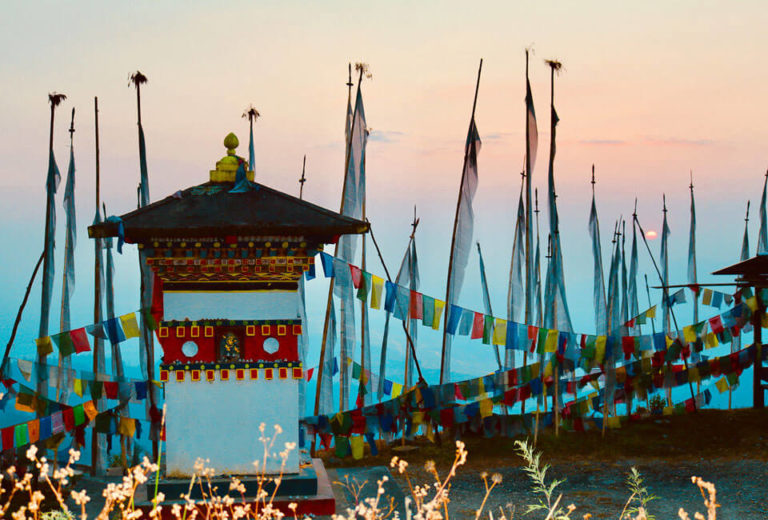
189,349
271,345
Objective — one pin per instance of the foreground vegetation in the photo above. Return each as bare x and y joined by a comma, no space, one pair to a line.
48,497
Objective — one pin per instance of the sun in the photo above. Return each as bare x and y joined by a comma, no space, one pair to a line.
651,234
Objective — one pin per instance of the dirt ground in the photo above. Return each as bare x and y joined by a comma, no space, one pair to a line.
729,449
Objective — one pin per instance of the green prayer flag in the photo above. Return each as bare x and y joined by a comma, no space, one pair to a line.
96,389
342,446
64,343
541,340
21,434
365,285
487,329
79,414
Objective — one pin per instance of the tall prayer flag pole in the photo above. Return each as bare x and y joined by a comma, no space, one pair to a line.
146,342
51,185
531,145
633,265
692,275
68,283
252,115
98,341
598,290
463,229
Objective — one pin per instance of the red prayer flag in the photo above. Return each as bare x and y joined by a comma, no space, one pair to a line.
357,275
477,326
80,340
417,306
716,324
628,345
457,392
309,373
110,388
7,434
69,418
446,417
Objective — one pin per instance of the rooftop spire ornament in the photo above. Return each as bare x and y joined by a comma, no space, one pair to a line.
252,115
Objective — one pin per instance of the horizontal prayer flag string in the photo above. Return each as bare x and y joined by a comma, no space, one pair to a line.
583,349
116,330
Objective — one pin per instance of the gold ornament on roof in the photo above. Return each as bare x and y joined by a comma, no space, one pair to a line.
226,168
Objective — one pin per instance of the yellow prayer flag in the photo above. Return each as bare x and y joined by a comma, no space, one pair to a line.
668,340
396,389
651,313
356,444
126,427
90,410
722,384
550,345
621,374
500,332
130,327
711,340
600,349
77,386
706,297
689,333
535,370
752,303
417,418
377,285
548,370
669,410
486,408
439,306
614,422
693,375
480,387
44,346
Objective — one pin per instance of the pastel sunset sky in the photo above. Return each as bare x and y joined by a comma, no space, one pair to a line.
649,92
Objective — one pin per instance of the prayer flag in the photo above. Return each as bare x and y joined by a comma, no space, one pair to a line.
357,445
487,329
500,332
722,384
551,341
327,262
114,330
477,326
64,344
357,276
439,306
463,230
428,309
44,346
80,340
598,286
130,326
377,284
454,314
416,306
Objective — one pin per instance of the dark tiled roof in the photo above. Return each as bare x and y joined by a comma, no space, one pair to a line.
757,266
210,210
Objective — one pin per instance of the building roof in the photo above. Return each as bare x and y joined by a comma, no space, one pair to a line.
211,210
755,268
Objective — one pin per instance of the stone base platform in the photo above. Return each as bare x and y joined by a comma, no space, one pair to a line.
310,489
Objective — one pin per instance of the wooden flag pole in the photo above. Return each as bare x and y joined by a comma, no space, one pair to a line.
453,236
321,368
303,178
97,340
